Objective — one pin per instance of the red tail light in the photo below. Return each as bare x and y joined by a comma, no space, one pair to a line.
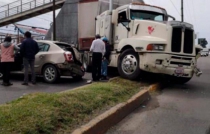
68,56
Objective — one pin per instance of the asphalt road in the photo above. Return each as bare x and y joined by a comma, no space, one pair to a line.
17,90
10,93
177,109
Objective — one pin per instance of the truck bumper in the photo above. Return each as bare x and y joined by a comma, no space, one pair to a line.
169,64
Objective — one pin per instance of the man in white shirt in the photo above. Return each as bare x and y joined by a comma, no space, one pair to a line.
98,49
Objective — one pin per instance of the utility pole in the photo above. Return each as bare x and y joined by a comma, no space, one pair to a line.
111,5
182,10
54,22
18,36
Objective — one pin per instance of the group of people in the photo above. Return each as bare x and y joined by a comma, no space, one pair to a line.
100,49
28,49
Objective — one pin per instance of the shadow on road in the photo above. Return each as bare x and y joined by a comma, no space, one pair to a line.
39,79
144,77
112,72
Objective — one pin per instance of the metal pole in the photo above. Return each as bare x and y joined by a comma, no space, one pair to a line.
8,10
54,22
111,25
21,6
110,5
18,37
182,10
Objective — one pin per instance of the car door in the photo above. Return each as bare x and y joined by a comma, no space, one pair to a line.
40,58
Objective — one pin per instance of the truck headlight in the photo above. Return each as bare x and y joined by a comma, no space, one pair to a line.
158,61
158,47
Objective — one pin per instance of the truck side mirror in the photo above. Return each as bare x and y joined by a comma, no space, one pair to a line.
115,17
196,36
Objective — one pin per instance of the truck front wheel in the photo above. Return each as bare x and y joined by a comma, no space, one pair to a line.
128,64
1,75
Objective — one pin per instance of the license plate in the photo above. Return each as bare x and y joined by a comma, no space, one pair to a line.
179,71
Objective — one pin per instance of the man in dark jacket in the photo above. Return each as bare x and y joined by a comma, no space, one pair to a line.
28,49
105,60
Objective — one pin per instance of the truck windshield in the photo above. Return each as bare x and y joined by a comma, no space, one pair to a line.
146,15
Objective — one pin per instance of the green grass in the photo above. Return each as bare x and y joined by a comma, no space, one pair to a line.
43,113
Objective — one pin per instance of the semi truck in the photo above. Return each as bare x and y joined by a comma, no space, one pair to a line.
143,38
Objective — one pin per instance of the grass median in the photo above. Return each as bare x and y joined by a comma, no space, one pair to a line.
43,113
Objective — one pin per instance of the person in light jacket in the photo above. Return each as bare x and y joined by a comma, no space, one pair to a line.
7,58
98,49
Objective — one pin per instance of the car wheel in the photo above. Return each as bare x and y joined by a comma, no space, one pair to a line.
50,74
128,64
1,75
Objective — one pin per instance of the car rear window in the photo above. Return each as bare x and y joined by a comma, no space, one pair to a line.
65,47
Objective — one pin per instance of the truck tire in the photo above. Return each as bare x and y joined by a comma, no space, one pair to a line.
1,75
180,80
85,63
128,64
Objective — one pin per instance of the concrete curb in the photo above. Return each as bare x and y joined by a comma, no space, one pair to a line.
105,121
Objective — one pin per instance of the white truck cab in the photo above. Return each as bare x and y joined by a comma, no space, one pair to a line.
143,39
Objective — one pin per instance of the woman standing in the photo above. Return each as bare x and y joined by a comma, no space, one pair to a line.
7,57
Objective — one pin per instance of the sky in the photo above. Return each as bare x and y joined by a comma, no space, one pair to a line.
195,12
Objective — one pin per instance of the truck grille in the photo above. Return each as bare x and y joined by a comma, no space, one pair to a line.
181,58
180,63
188,41
176,41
